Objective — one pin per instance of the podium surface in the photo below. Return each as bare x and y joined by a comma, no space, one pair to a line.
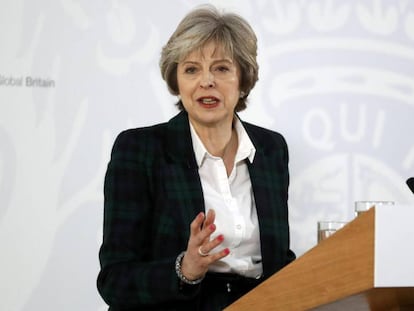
337,274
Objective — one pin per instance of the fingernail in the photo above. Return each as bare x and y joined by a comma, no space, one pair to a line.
220,237
212,227
226,251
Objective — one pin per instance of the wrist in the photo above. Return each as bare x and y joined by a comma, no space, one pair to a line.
180,274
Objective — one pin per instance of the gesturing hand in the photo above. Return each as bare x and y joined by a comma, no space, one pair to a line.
199,253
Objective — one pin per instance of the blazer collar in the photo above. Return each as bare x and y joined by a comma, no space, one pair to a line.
178,140
180,146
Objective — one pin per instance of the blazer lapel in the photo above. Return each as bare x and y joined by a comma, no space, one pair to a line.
262,199
182,176
267,177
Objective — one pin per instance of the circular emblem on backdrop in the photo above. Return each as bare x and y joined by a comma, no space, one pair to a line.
339,77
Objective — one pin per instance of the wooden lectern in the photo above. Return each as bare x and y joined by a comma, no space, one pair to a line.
337,274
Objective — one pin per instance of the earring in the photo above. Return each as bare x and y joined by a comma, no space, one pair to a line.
242,94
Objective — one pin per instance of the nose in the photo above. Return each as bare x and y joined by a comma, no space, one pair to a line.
207,81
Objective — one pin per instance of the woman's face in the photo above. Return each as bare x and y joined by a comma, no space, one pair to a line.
208,83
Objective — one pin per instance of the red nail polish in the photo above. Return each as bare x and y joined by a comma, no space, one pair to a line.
212,227
220,237
226,251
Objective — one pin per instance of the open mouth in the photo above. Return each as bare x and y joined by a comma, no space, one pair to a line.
208,101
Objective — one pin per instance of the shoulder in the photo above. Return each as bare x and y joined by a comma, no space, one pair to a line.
130,144
139,136
264,138
168,139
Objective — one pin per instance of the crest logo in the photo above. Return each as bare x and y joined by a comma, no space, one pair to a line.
337,79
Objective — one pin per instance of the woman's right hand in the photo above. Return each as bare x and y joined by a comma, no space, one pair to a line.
195,264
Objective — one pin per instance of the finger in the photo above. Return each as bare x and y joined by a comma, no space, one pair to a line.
213,257
209,246
210,218
204,236
207,228
195,226
216,242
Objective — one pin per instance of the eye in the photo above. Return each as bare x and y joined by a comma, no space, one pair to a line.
222,68
190,69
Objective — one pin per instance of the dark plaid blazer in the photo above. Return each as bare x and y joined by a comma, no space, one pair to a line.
152,194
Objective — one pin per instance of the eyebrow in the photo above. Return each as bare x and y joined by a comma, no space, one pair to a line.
227,60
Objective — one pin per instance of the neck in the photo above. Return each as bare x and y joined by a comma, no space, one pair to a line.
220,142
215,140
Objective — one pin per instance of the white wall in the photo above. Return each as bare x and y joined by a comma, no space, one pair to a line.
336,78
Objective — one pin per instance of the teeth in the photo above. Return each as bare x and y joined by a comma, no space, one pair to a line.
208,100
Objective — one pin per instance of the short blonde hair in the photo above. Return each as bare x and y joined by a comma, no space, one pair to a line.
228,30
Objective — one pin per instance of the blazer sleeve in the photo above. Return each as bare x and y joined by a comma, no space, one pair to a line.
129,276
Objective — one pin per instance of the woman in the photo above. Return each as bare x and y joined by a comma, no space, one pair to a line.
196,208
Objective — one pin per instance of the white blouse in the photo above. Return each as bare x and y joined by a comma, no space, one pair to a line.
232,199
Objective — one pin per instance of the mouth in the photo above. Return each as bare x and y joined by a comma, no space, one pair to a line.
208,101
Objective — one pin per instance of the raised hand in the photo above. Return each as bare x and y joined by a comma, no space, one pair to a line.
200,249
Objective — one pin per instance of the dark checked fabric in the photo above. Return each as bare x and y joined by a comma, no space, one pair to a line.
152,194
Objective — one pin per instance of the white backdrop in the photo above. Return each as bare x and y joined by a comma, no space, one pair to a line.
336,78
